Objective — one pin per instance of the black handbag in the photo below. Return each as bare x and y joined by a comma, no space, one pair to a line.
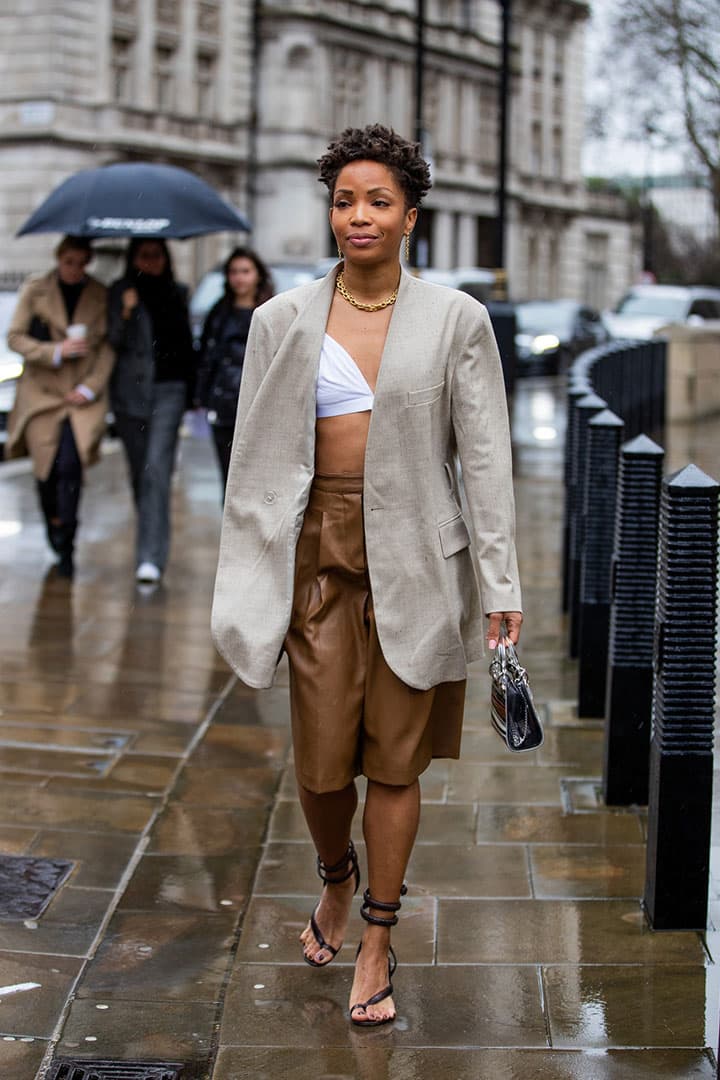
512,709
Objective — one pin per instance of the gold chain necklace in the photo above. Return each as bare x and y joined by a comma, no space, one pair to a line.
346,295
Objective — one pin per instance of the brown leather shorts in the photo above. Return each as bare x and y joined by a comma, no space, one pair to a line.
350,713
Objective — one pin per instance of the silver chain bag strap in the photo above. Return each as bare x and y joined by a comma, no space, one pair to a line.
512,709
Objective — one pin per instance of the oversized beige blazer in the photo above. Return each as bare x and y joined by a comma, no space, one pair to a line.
36,419
440,390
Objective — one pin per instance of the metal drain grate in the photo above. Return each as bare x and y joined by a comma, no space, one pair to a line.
28,885
77,1069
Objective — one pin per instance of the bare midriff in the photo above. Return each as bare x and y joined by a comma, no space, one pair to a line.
340,440
340,443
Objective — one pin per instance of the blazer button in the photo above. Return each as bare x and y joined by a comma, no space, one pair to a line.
270,497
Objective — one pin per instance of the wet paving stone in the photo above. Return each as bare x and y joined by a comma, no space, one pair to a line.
28,884
487,870
46,981
197,830
593,871
100,858
557,932
191,882
468,1006
165,1030
20,1057
227,788
229,746
74,809
642,1006
552,825
68,927
157,957
272,926
62,762
17,839
372,1059
517,782
132,773
62,736
439,824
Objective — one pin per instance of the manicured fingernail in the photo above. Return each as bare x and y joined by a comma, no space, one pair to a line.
492,643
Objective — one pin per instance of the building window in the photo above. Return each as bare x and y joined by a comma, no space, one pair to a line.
205,83
557,154
559,60
538,53
536,154
164,77
597,254
121,64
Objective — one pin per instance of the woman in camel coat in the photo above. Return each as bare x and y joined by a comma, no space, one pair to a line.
59,412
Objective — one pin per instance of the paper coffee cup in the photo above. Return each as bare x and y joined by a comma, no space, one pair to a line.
77,331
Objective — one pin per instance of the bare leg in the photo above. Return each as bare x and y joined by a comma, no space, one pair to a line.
329,819
390,825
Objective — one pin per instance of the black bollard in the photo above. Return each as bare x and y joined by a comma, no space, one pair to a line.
681,748
585,409
599,497
577,388
632,619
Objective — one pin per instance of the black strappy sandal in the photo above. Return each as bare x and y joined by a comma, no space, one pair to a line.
376,920
349,860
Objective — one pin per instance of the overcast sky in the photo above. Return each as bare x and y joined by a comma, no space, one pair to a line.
617,154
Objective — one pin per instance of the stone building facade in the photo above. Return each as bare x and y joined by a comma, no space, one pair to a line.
248,92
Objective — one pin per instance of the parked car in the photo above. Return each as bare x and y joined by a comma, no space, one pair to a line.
551,333
11,365
646,308
209,288
477,281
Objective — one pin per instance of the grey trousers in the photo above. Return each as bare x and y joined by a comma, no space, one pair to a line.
150,448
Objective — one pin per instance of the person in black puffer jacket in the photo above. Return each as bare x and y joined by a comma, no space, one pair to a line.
222,347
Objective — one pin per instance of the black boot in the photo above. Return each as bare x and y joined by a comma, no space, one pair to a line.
48,505
65,537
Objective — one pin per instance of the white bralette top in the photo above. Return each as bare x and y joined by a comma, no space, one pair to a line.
341,386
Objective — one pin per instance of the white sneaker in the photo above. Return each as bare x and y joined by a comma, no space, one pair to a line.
148,571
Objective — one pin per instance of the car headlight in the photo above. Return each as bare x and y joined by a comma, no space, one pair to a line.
544,343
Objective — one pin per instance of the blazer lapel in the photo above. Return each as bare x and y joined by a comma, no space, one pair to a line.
303,342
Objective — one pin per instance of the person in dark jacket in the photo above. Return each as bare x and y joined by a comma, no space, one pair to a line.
152,385
222,347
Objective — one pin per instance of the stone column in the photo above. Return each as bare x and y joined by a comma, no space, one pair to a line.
442,239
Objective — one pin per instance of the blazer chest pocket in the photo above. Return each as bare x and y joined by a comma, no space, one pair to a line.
426,396
454,536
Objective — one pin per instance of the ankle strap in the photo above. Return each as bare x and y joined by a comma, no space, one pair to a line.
378,905
348,862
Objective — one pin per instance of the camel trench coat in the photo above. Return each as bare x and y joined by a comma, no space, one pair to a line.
40,407
439,392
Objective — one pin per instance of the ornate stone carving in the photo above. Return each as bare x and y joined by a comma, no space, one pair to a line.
168,12
208,18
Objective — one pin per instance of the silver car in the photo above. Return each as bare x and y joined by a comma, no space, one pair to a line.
646,308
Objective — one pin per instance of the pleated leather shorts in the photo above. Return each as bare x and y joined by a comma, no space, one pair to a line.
351,714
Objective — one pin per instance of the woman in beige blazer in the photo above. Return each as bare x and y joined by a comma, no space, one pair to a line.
344,543
58,327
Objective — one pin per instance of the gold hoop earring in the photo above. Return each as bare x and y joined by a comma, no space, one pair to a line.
340,254
407,247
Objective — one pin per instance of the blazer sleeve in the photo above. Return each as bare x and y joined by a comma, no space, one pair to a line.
482,434
19,338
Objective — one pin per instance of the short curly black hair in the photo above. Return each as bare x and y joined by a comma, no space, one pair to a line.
378,143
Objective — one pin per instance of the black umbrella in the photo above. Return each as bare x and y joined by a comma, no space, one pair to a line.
134,199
